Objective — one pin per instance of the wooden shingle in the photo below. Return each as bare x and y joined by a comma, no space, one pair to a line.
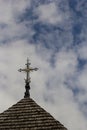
28,115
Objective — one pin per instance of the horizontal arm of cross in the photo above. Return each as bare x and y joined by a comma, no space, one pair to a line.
28,69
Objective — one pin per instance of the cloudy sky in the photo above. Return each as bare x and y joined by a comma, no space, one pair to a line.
53,34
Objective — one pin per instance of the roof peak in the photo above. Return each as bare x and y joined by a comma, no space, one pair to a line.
28,69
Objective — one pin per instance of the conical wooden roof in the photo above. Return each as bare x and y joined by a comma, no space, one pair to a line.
28,115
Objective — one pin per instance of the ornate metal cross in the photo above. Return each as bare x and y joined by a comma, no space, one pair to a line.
28,69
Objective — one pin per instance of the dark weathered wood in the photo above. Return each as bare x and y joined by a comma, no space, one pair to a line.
27,115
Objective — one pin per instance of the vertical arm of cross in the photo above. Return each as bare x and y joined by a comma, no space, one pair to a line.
28,71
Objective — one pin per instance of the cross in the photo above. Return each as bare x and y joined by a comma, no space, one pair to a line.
28,69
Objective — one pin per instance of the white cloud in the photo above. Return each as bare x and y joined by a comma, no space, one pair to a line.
20,9
82,51
82,78
48,13
9,13
8,8
66,63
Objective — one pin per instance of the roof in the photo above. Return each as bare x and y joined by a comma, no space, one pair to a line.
28,115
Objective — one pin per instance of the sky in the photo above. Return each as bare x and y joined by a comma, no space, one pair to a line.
53,34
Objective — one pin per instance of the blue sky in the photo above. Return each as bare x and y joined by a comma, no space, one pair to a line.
53,34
